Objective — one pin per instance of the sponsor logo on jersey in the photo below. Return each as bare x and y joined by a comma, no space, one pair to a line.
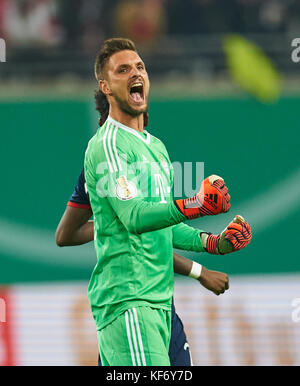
125,190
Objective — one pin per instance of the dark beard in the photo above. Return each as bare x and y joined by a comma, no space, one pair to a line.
125,107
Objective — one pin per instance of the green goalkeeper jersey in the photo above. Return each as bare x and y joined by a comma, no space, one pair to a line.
129,179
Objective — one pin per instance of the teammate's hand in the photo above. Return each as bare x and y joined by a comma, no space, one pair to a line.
236,235
212,199
217,282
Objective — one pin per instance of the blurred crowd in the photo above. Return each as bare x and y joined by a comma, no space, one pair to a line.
79,23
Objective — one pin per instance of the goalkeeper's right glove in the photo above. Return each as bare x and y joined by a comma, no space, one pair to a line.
212,199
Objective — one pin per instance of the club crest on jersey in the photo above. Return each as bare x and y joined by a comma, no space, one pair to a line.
125,190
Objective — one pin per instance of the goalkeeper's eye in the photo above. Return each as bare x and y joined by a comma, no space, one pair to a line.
122,70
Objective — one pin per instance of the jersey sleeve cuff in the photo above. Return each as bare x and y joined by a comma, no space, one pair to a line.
176,213
76,205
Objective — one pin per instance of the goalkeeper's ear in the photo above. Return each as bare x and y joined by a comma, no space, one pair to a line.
104,87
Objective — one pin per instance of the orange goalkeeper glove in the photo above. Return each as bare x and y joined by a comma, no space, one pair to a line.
212,199
236,236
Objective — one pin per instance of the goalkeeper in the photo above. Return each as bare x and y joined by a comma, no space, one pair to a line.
131,287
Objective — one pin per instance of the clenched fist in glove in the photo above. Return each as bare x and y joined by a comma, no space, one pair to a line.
213,198
236,235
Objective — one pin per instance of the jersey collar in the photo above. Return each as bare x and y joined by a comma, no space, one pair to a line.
130,130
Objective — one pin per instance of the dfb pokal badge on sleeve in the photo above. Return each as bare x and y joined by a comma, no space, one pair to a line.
125,190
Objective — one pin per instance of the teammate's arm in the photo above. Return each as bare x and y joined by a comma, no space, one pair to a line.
74,227
217,282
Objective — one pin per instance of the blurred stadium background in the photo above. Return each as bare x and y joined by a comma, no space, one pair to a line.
239,118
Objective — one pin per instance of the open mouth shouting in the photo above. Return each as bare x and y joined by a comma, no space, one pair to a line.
136,93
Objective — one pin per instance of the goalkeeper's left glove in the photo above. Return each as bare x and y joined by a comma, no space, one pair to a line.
236,235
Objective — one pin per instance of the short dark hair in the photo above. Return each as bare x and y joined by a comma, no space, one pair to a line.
110,47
